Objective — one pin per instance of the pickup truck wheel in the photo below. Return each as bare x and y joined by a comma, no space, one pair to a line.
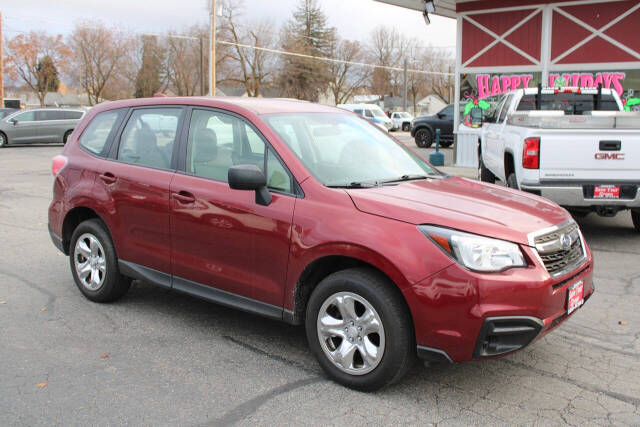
635,217
485,174
94,264
359,329
512,182
406,127
424,139
446,144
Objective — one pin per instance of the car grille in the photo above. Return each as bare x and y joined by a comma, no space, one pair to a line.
560,250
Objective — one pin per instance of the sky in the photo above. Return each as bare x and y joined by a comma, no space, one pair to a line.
354,19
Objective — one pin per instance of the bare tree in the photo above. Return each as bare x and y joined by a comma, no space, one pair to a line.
255,65
382,51
34,59
440,61
345,78
98,52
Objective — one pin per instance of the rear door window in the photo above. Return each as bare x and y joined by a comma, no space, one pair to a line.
72,115
149,137
99,131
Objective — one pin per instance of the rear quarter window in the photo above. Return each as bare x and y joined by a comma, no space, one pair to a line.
95,136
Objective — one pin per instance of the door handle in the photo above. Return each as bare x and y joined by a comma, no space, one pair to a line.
184,197
108,177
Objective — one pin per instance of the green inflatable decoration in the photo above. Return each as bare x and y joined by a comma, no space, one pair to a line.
483,105
630,103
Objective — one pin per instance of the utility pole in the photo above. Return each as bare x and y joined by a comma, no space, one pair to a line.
212,50
404,96
201,67
1,67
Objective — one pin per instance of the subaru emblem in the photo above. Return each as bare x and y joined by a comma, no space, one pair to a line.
565,241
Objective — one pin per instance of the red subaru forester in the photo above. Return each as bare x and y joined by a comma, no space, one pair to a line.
311,215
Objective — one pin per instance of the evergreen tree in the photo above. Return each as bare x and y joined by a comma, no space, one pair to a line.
306,33
47,75
150,79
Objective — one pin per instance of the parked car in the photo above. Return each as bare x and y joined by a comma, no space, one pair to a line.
307,214
41,125
4,112
574,146
401,120
423,128
371,112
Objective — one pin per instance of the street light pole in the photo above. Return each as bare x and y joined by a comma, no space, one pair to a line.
201,67
212,50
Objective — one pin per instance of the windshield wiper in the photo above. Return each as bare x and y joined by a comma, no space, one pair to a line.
408,178
357,184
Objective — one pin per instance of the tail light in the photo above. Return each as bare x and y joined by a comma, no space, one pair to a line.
57,164
531,153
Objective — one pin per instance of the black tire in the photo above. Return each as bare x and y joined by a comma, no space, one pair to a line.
446,144
66,136
635,217
406,127
399,350
424,138
114,285
3,140
512,182
484,174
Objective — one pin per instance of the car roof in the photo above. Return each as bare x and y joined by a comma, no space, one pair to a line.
256,105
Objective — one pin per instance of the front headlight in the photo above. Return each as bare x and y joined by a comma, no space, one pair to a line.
475,252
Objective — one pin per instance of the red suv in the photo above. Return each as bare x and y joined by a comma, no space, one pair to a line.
310,215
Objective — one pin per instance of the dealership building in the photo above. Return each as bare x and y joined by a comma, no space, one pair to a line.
509,44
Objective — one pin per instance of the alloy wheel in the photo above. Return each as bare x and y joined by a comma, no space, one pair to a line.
90,262
351,333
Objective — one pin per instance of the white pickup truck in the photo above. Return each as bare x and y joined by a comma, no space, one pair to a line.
576,147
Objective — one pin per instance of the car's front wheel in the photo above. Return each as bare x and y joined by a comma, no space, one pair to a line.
94,264
635,217
424,138
359,329
3,140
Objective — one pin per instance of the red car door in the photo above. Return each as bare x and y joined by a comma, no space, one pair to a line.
221,238
135,185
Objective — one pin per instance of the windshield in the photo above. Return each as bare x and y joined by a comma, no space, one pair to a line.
342,150
378,113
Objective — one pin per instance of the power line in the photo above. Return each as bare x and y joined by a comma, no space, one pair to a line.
324,58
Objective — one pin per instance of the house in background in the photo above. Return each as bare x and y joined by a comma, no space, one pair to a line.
430,104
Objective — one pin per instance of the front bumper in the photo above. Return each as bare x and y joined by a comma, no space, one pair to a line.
573,195
460,315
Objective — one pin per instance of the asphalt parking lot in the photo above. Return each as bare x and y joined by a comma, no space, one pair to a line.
161,358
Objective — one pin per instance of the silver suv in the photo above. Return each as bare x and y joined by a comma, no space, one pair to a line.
39,126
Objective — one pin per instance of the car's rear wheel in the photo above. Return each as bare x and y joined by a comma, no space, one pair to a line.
3,140
484,174
66,136
423,138
635,217
94,264
512,182
359,329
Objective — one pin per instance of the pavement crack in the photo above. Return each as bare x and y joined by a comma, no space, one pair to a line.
249,407
588,387
51,297
271,356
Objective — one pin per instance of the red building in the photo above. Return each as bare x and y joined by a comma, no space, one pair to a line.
507,44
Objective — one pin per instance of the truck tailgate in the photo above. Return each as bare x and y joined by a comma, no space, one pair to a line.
590,155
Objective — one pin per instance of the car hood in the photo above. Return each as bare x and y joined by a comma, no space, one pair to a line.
463,204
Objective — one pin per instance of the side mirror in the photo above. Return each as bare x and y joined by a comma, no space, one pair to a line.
440,115
14,121
250,177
